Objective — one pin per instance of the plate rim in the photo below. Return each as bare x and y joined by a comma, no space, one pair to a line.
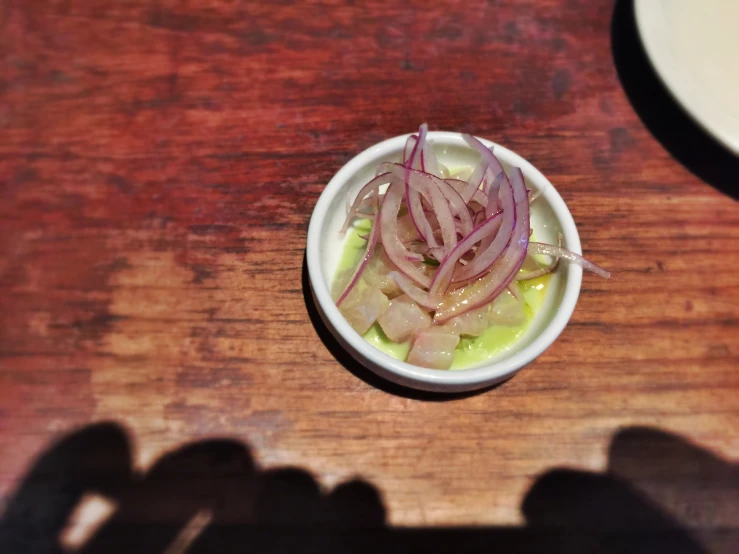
648,15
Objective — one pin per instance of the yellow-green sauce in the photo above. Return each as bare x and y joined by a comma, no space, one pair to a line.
471,350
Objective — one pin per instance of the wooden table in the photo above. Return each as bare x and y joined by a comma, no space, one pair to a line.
159,162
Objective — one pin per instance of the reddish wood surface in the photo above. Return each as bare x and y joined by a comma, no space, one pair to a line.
159,161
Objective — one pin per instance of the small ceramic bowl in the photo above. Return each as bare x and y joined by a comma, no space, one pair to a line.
549,216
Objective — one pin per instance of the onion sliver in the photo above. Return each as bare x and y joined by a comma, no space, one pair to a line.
371,243
418,295
372,186
436,253
542,270
388,223
410,146
492,186
493,164
472,185
490,250
515,290
417,215
461,186
413,201
414,159
424,184
503,271
443,276
551,250
429,163
457,204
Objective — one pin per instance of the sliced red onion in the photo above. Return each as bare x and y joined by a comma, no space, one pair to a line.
370,187
461,186
424,184
491,249
410,146
479,218
456,203
418,247
503,271
414,203
414,161
418,295
436,253
429,163
493,164
394,248
413,198
492,186
540,272
478,187
473,184
450,192
515,290
536,273
443,276
478,230
444,216
367,203
458,185
551,250
371,243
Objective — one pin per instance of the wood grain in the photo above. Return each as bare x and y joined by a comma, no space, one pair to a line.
159,163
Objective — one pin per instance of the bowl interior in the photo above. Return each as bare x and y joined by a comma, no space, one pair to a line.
549,216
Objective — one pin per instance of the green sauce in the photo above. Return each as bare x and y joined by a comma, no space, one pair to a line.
471,350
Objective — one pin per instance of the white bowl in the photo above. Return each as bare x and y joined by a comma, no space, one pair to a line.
549,216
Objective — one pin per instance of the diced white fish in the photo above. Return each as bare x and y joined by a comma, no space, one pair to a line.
377,273
403,318
472,323
504,310
362,308
433,348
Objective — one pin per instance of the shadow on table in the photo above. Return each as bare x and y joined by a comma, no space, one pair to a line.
684,139
208,497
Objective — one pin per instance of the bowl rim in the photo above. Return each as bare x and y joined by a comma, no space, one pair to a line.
404,372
